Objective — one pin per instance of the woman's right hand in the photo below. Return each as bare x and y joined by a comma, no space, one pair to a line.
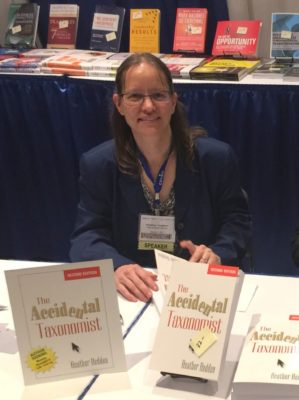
135,283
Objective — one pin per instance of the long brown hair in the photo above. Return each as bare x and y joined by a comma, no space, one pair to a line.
182,134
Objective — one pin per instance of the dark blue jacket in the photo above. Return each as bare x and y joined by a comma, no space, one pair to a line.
210,207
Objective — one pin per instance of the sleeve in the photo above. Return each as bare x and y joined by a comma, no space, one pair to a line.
233,230
295,247
92,236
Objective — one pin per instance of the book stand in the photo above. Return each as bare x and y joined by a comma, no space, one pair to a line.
202,380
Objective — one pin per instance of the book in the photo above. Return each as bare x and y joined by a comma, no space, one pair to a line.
224,69
196,319
21,31
67,320
237,38
180,67
190,30
107,28
284,41
144,30
76,59
271,69
292,74
63,26
28,64
42,53
269,361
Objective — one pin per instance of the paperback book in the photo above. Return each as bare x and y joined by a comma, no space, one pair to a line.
67,320
76,59
63,25
269,361
21,31
271,69
237,38
107,28
196,320
224,69
190,30
292,74
21,65
144,30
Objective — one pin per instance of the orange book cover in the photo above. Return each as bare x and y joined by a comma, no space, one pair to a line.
190,30
145,30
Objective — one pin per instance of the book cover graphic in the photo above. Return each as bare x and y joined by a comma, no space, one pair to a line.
63,24
22,25
67,320
196,319
190,30
144,30
269,362
285,35
224,69
107,28
236,38
76,59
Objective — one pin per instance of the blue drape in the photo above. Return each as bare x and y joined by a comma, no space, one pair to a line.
217,10
47,122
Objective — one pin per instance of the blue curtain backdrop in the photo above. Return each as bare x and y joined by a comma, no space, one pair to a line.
47,122
217,10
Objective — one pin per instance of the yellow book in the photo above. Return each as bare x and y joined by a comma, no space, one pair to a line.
144,30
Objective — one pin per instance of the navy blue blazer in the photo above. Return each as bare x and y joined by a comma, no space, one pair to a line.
210,207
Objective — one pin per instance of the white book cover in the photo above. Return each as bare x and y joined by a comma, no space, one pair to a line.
196,319
67,320
269,362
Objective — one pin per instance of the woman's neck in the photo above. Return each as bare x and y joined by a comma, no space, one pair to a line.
155,154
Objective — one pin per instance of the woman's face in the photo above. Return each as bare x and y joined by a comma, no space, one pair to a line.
146,103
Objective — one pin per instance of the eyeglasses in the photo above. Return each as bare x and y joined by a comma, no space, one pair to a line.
136,98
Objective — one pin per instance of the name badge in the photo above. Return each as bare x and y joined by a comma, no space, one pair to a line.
156,232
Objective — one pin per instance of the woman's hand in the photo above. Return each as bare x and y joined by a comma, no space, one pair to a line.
135,283
200,253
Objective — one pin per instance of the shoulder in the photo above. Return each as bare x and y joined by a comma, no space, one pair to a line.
209,146
215,156
100,155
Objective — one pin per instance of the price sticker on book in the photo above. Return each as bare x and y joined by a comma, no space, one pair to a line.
16,29
242,30
286,35
63,24
110,36
200,343
137,14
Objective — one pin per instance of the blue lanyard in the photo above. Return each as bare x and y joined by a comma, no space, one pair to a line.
158,183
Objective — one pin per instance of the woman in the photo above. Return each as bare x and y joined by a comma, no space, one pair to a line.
156,185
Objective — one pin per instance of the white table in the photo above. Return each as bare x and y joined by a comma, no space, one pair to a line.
260,293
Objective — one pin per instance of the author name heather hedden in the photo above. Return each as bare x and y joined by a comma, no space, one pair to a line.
87,363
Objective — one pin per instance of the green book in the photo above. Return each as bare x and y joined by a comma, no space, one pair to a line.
22,25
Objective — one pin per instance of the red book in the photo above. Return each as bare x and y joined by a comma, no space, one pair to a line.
237,37
190,30
63,23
